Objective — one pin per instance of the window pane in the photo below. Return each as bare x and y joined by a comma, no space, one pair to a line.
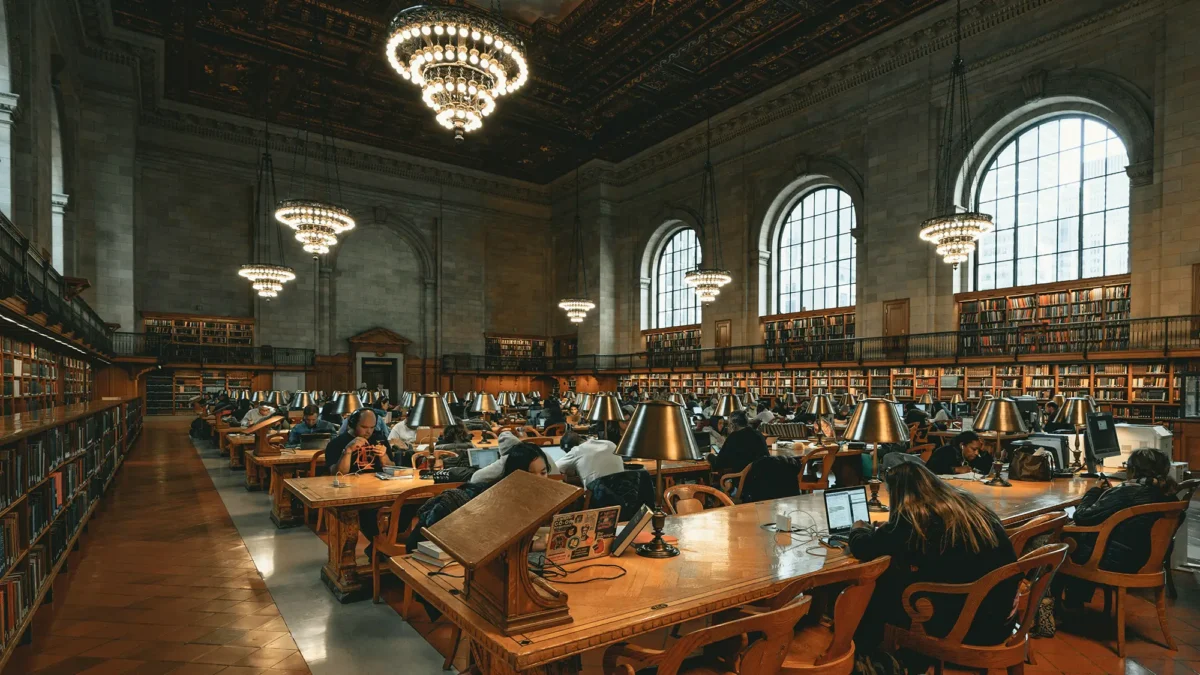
1116,259
674,303
822,257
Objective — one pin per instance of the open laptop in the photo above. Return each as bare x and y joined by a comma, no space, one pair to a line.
314,441
555,453
483,457
844,506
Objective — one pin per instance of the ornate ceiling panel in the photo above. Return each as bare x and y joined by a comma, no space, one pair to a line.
608,77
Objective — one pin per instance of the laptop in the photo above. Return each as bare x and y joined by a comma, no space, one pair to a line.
484,457
555,453
698,411
314,441
843,507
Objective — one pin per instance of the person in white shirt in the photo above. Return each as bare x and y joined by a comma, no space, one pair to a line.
255,415
764,416
590,460
402,434
708,409
495,471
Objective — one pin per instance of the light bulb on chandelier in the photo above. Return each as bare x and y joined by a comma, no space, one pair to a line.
954,236
266,279
707,283
576,308
317,224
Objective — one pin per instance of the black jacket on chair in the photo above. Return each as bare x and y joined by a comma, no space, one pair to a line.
628,489
1129,544
772,478
739,450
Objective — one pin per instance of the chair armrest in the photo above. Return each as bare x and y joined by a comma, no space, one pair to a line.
643,656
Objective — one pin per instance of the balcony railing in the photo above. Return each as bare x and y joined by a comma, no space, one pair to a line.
24,274
166,351
1159,335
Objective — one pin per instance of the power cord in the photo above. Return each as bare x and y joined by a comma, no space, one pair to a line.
558,573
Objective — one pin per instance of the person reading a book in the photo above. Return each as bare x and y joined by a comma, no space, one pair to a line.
963,454
256,415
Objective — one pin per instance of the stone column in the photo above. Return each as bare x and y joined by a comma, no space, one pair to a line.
325,318
8,109
58,210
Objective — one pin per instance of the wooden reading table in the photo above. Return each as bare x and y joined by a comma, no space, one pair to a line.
275,469
727,559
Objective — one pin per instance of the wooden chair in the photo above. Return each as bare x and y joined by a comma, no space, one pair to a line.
555,430
1184,494
681,500
529,431
925,450
1151,575
812,480
540,441
1037,568
393,535
819,648
433,457
765,635
1048,523
733,484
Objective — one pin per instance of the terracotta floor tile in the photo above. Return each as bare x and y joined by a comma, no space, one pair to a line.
112,667
116,649
226,655
265,658
263,638
197,669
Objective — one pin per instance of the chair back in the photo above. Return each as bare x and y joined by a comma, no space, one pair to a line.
395,533
540,441
1162,533
629,489
1038,567
1048,523
555,430
680,500
767,637
317,463
925,450
735,483
813,481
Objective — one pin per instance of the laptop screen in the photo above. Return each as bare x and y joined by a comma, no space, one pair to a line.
482,458
697,410
844,507
554,452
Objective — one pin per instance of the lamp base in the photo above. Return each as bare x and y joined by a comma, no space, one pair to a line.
874,504
658,547
998,481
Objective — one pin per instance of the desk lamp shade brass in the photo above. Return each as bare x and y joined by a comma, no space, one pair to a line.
876,420
749,399
274,398
243,395
658,430
430,411
926,399
369,398
258,397
822,405
849,400
1074,411
676,398
956,399
584,402
606,408
1060,400
301,400
518,398
484,403
727,405
982,402
450,397
503,401
408,399
348,404
790,399
1000,416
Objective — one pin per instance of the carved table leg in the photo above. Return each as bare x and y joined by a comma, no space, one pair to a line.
282,512
253,474
340,573
235,455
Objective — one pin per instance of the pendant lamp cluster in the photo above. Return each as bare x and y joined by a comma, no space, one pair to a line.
577,305
952,232
266,273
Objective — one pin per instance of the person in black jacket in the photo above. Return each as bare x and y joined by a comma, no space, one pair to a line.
1128,547
935,533
963,454
741,447
554,413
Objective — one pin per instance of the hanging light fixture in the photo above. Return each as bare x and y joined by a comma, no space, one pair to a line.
577,305
264,274
954,233
463,60
708,281
317,222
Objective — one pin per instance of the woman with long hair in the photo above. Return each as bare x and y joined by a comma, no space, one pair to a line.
935,533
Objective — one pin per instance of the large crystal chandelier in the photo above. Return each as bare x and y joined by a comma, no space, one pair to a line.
952,232
317,222
577,305
462,59
707,282
265,276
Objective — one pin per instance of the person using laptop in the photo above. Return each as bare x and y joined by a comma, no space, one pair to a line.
402,435
310,423
741,447
589,460
934,533
963,454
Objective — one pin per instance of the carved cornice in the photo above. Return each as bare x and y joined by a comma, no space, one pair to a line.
59,202
1141,173
9,104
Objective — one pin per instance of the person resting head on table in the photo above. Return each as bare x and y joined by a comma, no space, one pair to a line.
495,471
963,454
764,414
741,447
934,533
589,460
310,423
1128,548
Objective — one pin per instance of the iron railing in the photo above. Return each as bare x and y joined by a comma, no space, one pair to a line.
24,274
165,351
1162,335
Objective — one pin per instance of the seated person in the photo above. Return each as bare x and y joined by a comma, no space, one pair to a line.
764,416
310,423
380,420
477,424
589,460
495,471
935,533
942,415
554,413
573,417
330,414
914,415
256,415
963,454
402,435
710,408
717,429
1128,547
1051,413
361,447
741,447
455,437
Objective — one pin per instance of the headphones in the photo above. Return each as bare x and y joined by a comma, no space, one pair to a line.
352,421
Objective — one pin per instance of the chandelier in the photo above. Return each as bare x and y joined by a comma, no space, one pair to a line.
577,306
707,282
952,232
462,59
264,275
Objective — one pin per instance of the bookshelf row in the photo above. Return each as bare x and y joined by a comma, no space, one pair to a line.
196,329
52,474
1076,302
170,392
566,346
1136,391
672,341
781,331
35,378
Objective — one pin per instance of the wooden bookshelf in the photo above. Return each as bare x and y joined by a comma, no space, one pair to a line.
566,346
35,378
171,392
783,330
196,329
60,465
669,340
514,346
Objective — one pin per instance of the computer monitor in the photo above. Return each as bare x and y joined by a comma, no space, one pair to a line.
483,457
1100,439
554,452
962,409
1030,411
1056,444
703,439
899,409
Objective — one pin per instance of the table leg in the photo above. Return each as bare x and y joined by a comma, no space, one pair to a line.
282,512
490,664
253,474
235,455
222,444
340,573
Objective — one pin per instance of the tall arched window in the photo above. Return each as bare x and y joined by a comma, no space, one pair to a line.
816,253
1060,199
675,303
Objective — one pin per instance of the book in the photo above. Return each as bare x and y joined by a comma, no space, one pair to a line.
432,551
435,562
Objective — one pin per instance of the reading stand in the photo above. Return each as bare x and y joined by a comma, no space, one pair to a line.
261,430
491,537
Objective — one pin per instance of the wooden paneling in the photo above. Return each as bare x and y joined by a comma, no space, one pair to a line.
332,373
117,381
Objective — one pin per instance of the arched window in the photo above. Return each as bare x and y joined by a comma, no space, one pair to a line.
816,253
1060,199
675,303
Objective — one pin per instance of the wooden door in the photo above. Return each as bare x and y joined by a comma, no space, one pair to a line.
895,327
723,333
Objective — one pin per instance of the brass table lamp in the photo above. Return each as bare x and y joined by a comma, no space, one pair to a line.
430,411
676,398
956,399
822,406
484,404
926,400
658,430
348,404
1074,411
1001,416
727,405
749,399
301,400
450,397
875,421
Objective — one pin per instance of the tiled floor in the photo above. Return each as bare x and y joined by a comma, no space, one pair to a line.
163,583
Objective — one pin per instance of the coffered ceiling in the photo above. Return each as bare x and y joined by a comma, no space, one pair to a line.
608,77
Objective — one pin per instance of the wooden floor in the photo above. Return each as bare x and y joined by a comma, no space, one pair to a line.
163,583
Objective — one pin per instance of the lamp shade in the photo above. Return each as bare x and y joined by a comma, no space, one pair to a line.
1060,400
1075,411
727,405
675,398
584,402
789,399
243,395
407,399
749,399
926,399
658,430
369,398
484,403
956,399
258,397
606,408
450,397
1002,416
849,400
430,410
301,400
984,404
275,398
502,400
348,404
876,420
822,405
518,398
982,401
